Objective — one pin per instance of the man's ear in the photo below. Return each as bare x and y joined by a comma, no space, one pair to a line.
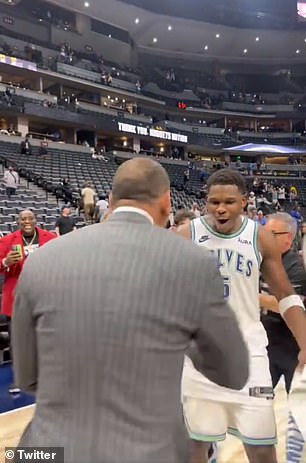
166,203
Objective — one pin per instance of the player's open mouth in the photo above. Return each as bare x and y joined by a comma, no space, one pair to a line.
222,221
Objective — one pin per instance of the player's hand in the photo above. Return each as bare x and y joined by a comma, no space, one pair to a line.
302,360
13,257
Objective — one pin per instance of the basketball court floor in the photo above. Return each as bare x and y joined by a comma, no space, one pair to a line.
13,422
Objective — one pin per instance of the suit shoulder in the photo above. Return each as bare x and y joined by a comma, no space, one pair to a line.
183,245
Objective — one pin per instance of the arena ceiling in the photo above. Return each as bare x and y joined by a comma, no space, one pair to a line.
176,36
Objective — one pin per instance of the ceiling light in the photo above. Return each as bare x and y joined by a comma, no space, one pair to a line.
245,50
109,36
305,39
217,36
136,21
206,47
257,39
297,52
86,4
154,39
169,28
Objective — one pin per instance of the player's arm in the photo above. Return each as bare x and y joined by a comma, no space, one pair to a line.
290,305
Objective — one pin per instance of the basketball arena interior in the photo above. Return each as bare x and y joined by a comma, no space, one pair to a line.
197,86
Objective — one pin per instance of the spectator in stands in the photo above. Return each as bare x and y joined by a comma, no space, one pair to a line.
186,176
292,193
203,174
10,181
11,130
252,212
43,149
252,199
101,208
103,77
25,146
66,189
138,86
8,95
15,248
296,214
263,203
62,53
65,223
109,79
88,195
275,202
195,209
182,217
261,218
281,195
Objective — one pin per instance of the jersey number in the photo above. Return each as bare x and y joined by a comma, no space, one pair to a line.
227,287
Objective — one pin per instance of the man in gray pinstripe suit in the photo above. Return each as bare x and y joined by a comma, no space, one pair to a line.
102,320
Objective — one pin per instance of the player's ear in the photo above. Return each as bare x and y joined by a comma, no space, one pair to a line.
244,201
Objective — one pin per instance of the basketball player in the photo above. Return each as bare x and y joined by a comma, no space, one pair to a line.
242,248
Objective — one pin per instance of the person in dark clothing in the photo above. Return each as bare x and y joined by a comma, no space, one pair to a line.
25,147
65,223
282,347
64,190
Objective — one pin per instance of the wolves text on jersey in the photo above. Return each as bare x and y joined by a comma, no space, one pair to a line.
232,261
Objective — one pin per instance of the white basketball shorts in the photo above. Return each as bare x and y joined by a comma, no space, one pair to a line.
212,411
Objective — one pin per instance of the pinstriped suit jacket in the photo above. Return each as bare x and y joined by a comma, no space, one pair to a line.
102,319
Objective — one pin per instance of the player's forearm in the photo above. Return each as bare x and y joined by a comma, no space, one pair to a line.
268,302
295,318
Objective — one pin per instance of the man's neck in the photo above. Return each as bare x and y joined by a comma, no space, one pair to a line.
28,235
138,209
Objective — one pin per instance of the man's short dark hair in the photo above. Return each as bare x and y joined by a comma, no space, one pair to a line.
182,215
227,177
141,180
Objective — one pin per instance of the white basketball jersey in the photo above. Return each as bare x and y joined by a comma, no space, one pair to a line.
239,263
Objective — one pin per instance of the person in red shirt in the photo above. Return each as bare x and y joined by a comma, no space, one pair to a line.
15,248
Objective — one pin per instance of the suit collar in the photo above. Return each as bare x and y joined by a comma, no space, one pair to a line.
134,210
129,217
